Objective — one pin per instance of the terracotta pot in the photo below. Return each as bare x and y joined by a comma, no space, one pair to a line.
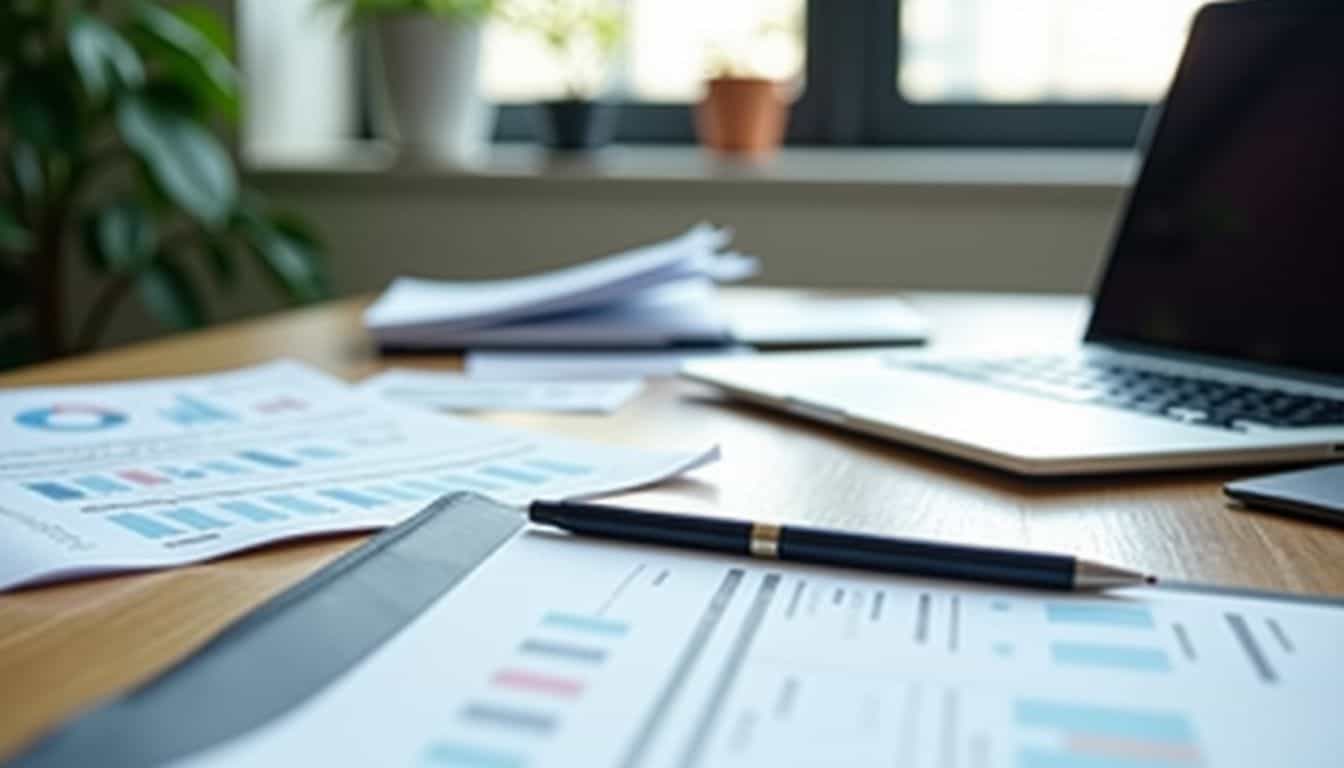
743,116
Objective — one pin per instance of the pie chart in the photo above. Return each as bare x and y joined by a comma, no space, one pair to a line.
70,417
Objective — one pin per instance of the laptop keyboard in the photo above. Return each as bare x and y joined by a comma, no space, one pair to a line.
1199,401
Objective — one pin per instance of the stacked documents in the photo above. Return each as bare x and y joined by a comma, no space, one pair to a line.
655,296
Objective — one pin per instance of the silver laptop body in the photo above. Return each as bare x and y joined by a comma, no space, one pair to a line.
1217,335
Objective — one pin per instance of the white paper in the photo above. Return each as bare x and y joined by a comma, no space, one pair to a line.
504,364
449,306
568,652
149,474
455,392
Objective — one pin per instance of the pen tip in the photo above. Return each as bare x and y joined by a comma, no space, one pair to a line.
1149,579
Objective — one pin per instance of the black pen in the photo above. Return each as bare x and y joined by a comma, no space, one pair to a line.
827,547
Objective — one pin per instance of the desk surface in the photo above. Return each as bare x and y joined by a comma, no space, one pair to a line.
66,646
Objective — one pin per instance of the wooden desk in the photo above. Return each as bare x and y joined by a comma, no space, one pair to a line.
64,647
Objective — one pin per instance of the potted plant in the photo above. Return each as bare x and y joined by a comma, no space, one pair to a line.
745,110
583,36
108,152
430,54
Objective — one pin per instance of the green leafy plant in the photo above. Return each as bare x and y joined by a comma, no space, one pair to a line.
583,35
360,10
109,149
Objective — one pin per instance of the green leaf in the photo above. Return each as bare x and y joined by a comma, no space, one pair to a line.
102,57
14,237
42,109
289,255
188,54
168,293
120,237
186,161
26,168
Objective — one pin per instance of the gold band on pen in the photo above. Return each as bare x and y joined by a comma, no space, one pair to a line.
765,540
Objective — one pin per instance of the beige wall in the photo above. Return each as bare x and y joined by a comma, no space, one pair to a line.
1001,237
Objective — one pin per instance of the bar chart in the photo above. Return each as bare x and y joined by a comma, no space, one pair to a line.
164,521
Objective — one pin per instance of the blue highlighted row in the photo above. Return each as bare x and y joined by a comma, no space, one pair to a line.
1123,657
1100,614
1121,724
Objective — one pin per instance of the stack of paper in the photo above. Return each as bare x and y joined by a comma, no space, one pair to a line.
655,296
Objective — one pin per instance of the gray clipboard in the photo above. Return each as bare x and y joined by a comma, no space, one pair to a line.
291,647
288,649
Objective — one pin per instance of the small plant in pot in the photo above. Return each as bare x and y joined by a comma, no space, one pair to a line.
583,36
745,109
430,54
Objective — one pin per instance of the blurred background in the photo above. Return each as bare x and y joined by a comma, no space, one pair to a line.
901,144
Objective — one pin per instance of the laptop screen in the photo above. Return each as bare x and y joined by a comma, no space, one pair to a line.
1233,243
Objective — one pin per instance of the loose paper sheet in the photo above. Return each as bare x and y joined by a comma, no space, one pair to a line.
455,392
158,473
653,657
504,364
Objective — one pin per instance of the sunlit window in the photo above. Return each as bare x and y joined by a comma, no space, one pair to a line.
1040,50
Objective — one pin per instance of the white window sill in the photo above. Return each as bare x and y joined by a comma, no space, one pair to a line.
1104,170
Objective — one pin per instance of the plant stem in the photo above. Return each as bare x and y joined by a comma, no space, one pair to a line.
46,271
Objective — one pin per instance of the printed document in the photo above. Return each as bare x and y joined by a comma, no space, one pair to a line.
644,656
103,478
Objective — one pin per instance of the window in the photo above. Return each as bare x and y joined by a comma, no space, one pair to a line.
1043,72
669,48
920,72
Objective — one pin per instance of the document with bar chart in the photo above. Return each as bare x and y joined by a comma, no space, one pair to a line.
113,477
650,657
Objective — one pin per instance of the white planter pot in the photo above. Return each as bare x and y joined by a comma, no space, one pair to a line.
431,75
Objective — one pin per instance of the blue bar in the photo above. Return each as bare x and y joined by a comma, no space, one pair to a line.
100,484
1111,656
182,474
1105,614
254,512
198,520
560,466
458,482
586,623
296,504
351,497
268,459
1150,727
393,492
1045,758
147,527
55,491
192,411
319,452
515,475
226,468
431,487
461,756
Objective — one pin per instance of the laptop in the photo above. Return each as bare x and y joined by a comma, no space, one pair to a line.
1217,332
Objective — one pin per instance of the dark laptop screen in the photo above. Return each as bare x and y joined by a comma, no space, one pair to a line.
1233,244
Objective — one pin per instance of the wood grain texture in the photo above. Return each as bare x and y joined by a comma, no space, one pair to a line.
64,647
